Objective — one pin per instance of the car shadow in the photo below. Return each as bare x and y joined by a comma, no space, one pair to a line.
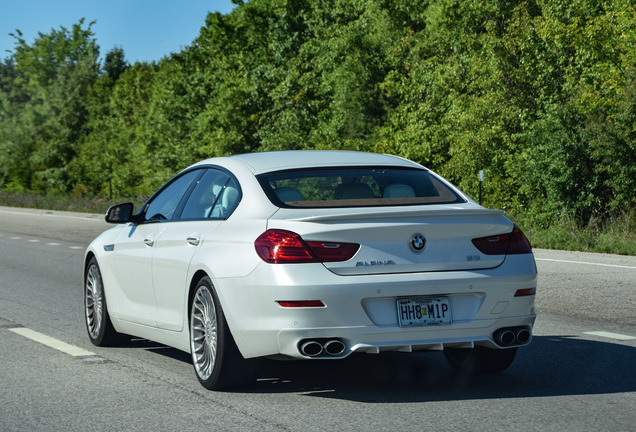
157,348
550,366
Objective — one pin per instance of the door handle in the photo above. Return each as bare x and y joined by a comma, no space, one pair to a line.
149,242
194,240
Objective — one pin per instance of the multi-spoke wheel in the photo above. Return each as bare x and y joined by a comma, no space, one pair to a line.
100,330
479,359
203,325
217,361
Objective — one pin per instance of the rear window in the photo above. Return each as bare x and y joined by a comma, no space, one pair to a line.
356,187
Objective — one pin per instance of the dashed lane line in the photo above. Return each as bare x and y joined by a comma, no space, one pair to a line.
51,342
33,240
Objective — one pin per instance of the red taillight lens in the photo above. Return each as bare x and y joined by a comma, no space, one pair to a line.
504,244
278,246
333,252
285,247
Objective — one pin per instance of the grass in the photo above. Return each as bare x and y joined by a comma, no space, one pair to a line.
615,235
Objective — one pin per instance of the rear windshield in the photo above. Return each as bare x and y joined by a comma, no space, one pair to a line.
356,187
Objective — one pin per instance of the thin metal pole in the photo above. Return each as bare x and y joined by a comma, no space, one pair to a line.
481,189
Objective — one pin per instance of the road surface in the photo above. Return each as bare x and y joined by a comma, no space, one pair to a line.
577,375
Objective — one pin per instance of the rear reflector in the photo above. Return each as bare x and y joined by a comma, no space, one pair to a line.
276,246
504,244
300,303
525,292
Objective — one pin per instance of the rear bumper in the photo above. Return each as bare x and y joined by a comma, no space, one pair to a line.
361,311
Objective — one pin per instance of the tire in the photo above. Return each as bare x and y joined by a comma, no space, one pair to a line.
100,330
217,361
480,360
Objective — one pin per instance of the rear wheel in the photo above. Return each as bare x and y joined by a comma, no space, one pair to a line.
100,330
479,359
216,358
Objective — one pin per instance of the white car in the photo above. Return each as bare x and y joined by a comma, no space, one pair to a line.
311,255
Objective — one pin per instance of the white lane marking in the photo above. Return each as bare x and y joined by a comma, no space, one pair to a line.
587,263
609,335
51,342
48,244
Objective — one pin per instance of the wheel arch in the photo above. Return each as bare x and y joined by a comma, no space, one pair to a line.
87,259
196,278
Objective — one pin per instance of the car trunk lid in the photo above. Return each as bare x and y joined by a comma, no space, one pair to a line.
401,240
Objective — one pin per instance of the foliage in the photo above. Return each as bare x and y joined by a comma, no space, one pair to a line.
540,94
615,235
43,129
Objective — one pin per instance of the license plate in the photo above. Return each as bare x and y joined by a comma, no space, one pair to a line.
422,311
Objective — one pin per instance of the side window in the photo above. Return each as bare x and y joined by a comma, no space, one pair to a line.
205,195
163,206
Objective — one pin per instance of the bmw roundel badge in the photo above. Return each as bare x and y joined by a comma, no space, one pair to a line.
417,242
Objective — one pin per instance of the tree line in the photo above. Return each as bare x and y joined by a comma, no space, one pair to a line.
540,94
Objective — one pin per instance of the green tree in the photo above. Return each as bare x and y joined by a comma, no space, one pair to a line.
114,159
14,168
115,63
56,72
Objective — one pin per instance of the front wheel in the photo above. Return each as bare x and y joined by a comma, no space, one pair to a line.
480,360
100,330
216,358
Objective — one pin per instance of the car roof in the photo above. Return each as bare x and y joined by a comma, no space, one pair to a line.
284,160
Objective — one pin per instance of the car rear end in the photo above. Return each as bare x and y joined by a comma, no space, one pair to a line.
381,258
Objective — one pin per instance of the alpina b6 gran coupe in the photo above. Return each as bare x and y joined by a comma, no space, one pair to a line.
311,255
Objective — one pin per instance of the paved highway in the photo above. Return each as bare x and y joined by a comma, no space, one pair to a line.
577,375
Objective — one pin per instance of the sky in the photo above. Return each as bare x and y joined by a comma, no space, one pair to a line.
147,30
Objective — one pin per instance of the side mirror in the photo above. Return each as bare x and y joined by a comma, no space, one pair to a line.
120,213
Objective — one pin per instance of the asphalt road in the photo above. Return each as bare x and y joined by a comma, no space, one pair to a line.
577,375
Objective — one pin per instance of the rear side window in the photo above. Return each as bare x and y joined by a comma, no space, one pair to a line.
356,187
212,197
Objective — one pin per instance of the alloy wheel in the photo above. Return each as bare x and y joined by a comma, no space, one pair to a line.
94,301
203,332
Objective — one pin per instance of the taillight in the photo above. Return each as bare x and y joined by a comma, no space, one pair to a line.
278,246
285,247
504,244
333,252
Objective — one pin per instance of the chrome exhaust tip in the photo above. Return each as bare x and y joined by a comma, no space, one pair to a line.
523,335
311,349
334,347
505,337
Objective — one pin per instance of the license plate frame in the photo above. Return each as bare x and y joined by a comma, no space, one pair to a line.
410,311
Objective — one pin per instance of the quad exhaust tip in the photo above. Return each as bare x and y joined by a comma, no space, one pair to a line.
334,347
321,347
512,336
